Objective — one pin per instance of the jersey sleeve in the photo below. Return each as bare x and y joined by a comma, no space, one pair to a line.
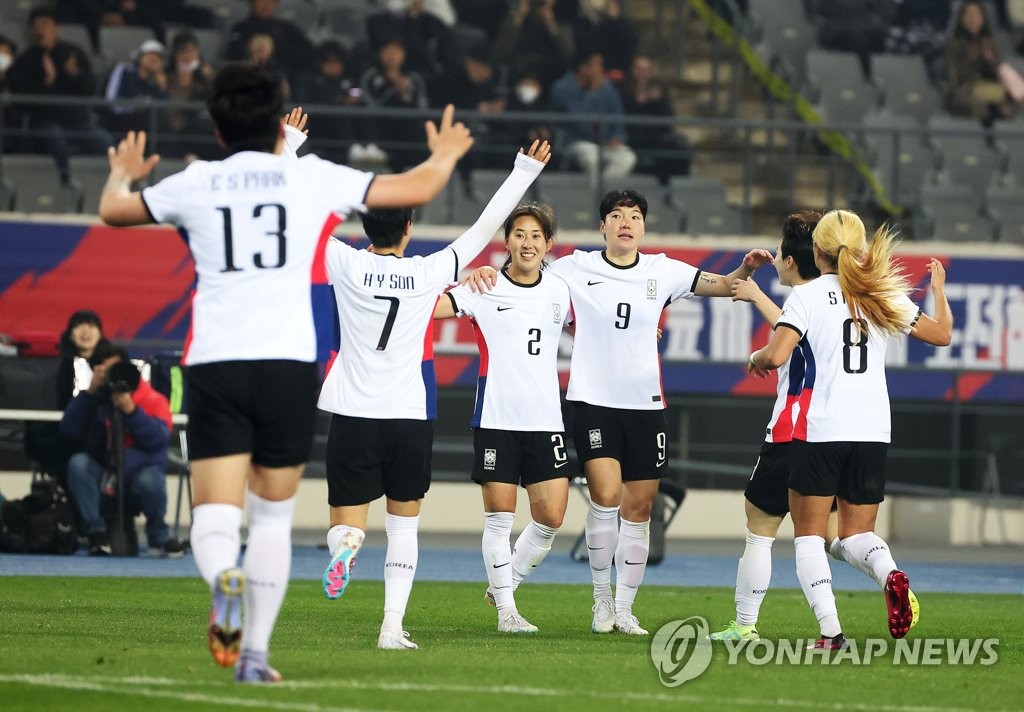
794,313
563,267
683,279
342,189
164,200
464,300
293,140
336,257
472,242
911,312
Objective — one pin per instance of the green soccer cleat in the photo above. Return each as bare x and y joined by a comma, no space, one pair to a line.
915,609
734,631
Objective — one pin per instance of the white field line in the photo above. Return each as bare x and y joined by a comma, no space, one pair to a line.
147,687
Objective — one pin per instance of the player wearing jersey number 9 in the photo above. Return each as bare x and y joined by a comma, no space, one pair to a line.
845,318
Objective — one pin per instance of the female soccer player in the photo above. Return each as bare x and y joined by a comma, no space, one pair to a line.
619,429
517,424
841,434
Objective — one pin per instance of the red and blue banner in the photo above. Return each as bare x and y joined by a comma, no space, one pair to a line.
140,281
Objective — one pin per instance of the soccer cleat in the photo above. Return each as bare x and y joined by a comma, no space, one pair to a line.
225,629
337,573
735,631
255,670
604,616
395,640
837,642
897,600
513,622
489,597
628,624
915,608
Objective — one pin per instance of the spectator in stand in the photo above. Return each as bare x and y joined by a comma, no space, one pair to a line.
55,68
482,86
387,84
189,78
8,50
531,35
528,94
429,49
660,150
263,53
600,25
859,26
330,85
597,146
972,68
143,76
293,50
109,13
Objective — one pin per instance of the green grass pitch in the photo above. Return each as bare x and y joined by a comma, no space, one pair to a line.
102,644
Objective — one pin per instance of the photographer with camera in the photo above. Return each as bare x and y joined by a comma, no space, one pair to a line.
119,424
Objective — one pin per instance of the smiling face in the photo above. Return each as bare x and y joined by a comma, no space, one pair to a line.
623,229
785,266
85,336
527,245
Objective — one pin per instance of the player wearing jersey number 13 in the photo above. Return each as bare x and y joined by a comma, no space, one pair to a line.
254,222
619,430
518,433
845,319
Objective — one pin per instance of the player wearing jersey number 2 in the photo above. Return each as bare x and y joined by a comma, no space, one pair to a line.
619,429
518,434
253,222
843,321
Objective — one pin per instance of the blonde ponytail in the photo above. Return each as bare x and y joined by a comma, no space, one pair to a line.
871,282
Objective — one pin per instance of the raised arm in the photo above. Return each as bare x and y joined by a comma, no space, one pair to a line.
716,285
418,185
937,330
119,205
746,290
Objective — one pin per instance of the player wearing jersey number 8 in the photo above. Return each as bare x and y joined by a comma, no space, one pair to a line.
845,319
619,431
518,432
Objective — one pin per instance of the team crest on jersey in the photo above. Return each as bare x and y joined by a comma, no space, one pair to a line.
490,458
652,289
557,311
595,438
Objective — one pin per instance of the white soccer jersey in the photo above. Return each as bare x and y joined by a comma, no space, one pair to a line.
615,360
791,381
385,364
253,223
517,328
845,397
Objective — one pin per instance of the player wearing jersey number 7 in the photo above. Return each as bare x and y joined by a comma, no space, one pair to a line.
253,222
518,434
381,388
843,321
619,429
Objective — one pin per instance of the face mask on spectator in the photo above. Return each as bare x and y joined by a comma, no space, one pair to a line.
527,93
5,62
190,66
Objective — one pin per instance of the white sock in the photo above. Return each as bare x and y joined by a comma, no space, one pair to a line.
816,580
630,562
215,538
399,567
835,549
868,553
338,532
753,576
267,565
498,557
531,547
602,530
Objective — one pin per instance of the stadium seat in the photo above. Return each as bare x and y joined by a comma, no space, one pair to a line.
705,209
951,212
662,216
347,17
227,13
304,14
79,36
837,83
14,13
6,195
37,188
782,35
91,172
909,166
963,151
468,200
1009,136
575,204
118,43
1005,206
905,88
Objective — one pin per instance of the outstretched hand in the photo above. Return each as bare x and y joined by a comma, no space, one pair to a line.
127,159
451,138
540,151
938,273
297,118
756,258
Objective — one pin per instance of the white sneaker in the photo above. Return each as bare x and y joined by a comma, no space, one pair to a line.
628,624
513,622
395,640
604,616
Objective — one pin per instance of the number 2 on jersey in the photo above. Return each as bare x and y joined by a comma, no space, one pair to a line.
257,259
